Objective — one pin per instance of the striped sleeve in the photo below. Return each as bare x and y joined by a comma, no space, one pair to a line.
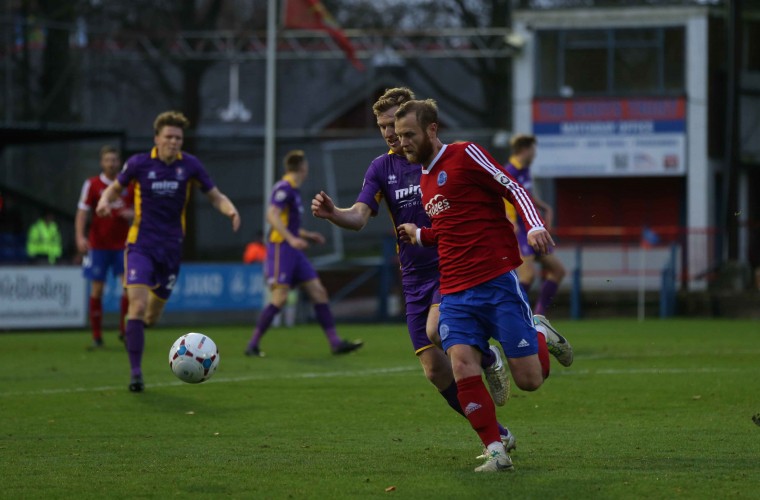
83,196
513,191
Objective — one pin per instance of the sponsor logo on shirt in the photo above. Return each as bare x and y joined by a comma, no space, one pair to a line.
392,179
412,190
280,195
164,188
436,205
180,173
151,175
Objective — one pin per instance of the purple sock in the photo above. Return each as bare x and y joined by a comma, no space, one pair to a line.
450,395
326,321
488,359
265,320
135,341
548,291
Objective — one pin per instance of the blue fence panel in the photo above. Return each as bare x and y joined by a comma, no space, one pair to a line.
207,287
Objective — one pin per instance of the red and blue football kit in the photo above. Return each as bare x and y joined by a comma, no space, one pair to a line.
462,192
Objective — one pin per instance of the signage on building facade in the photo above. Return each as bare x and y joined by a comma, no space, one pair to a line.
610,137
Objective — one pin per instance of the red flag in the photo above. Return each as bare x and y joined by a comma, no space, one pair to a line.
311,14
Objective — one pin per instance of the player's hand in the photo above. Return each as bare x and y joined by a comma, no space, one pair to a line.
298,243
407,233
316,237
541,241
83,245
235,217
103,209
322,206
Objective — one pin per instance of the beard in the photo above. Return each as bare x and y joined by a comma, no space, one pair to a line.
424,153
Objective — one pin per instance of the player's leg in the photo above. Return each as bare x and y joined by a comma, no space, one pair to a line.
491,362
435,363
554,274
278,297
135,333
318,295
96,312
118,272
94,269
511,320
464,340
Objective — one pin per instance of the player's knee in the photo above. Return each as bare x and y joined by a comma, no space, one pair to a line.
528,381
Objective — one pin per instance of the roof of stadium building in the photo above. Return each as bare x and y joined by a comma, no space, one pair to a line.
25,133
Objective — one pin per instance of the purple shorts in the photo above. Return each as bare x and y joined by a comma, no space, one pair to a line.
419,298
287,266
96,264
158,270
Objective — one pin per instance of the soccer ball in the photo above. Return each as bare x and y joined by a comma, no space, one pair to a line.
194,358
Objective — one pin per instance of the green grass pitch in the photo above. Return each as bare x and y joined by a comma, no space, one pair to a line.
659,409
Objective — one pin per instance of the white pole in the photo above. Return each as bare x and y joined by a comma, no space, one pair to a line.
270,96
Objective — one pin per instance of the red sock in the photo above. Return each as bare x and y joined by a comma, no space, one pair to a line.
96,318
479,408
543,355
123,313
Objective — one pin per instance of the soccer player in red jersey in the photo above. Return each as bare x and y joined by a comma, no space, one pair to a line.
103,245
462,192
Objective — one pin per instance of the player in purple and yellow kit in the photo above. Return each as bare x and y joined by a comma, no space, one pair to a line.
162,182
391,177
287,265
523,148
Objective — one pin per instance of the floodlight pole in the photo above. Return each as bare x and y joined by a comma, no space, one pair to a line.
270,110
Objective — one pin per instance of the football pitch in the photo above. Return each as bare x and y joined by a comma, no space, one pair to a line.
659,409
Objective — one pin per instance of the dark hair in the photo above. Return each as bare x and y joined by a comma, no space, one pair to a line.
293,160
425,111
392,97
170,119
521,142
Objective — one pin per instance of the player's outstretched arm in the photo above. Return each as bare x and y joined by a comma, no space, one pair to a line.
110,195
223,204
354,218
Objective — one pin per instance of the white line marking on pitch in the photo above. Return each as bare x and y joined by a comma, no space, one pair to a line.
221,380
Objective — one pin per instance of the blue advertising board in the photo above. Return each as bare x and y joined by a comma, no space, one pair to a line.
207,287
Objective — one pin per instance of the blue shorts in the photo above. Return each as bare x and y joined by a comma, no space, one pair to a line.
419,297
495,309
96,264
287,266
157,271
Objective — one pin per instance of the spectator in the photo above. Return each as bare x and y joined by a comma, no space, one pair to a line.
43,243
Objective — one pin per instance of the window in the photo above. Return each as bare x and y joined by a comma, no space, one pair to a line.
625,61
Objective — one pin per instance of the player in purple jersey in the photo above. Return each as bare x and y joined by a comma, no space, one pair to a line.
162,181
287,265
523,149
393,178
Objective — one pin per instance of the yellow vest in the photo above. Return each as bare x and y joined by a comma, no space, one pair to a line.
44,239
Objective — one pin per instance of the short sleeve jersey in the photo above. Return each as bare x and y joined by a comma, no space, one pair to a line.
161,195
393,178
106,233
287,197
